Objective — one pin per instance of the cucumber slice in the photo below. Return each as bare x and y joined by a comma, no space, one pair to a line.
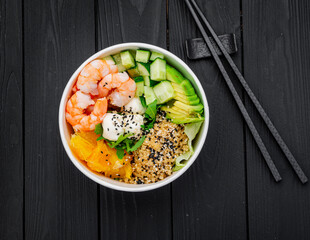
143,56
173,75
139,79
128,60
109,58
158,70
133,53
140,88
118,62
144,69
149,95
133,72
156,55
163,92
147,81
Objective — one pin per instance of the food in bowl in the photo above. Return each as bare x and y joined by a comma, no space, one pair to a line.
134,117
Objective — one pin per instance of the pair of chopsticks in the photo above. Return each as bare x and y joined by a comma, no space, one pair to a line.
191,4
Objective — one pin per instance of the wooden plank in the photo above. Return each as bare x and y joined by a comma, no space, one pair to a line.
11,120
277,67
209,200
60,203
129,215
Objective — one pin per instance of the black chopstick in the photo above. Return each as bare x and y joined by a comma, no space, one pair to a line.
274,171
303,178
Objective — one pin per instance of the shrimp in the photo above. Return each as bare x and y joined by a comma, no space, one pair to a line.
119,88
78,111
94,72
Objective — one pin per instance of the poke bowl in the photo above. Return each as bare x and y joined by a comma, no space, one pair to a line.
133,117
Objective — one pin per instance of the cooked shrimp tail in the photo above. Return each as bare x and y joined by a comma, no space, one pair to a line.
92,73
119,88
77,114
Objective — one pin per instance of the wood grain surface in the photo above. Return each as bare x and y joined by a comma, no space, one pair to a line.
133,215
60,203
228,193
219,169
11,120
277,67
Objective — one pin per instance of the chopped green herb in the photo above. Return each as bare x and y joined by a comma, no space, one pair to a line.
151,110
119,140
139,79
100,138
149,124
120,153
138,144
142,100
98,129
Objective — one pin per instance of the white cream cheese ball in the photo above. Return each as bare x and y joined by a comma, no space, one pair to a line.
132,124
112,126
135,106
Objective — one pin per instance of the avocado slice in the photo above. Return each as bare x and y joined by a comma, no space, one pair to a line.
173,75
182,88
180,119
189,108
189,100
175,110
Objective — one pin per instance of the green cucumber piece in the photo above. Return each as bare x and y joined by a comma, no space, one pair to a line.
128,60
109,58
133,72
173,75
149,95
163,92
156,55
147,81
158,70
118,62
144,69
143,56
140,88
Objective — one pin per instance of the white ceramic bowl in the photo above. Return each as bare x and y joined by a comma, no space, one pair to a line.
66,130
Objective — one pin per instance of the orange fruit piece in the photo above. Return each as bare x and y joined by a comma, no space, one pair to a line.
81,147
89,136
99,159
99,156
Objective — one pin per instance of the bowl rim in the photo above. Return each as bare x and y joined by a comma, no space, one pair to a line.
132,187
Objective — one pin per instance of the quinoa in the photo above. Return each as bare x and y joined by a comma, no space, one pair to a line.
154,160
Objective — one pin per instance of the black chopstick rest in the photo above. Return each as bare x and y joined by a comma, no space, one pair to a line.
196,48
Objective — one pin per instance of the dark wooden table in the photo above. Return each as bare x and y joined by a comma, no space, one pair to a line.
227,194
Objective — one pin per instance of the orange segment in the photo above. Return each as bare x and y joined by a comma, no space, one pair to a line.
99,156
99,159
81,147
124,172
89,136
